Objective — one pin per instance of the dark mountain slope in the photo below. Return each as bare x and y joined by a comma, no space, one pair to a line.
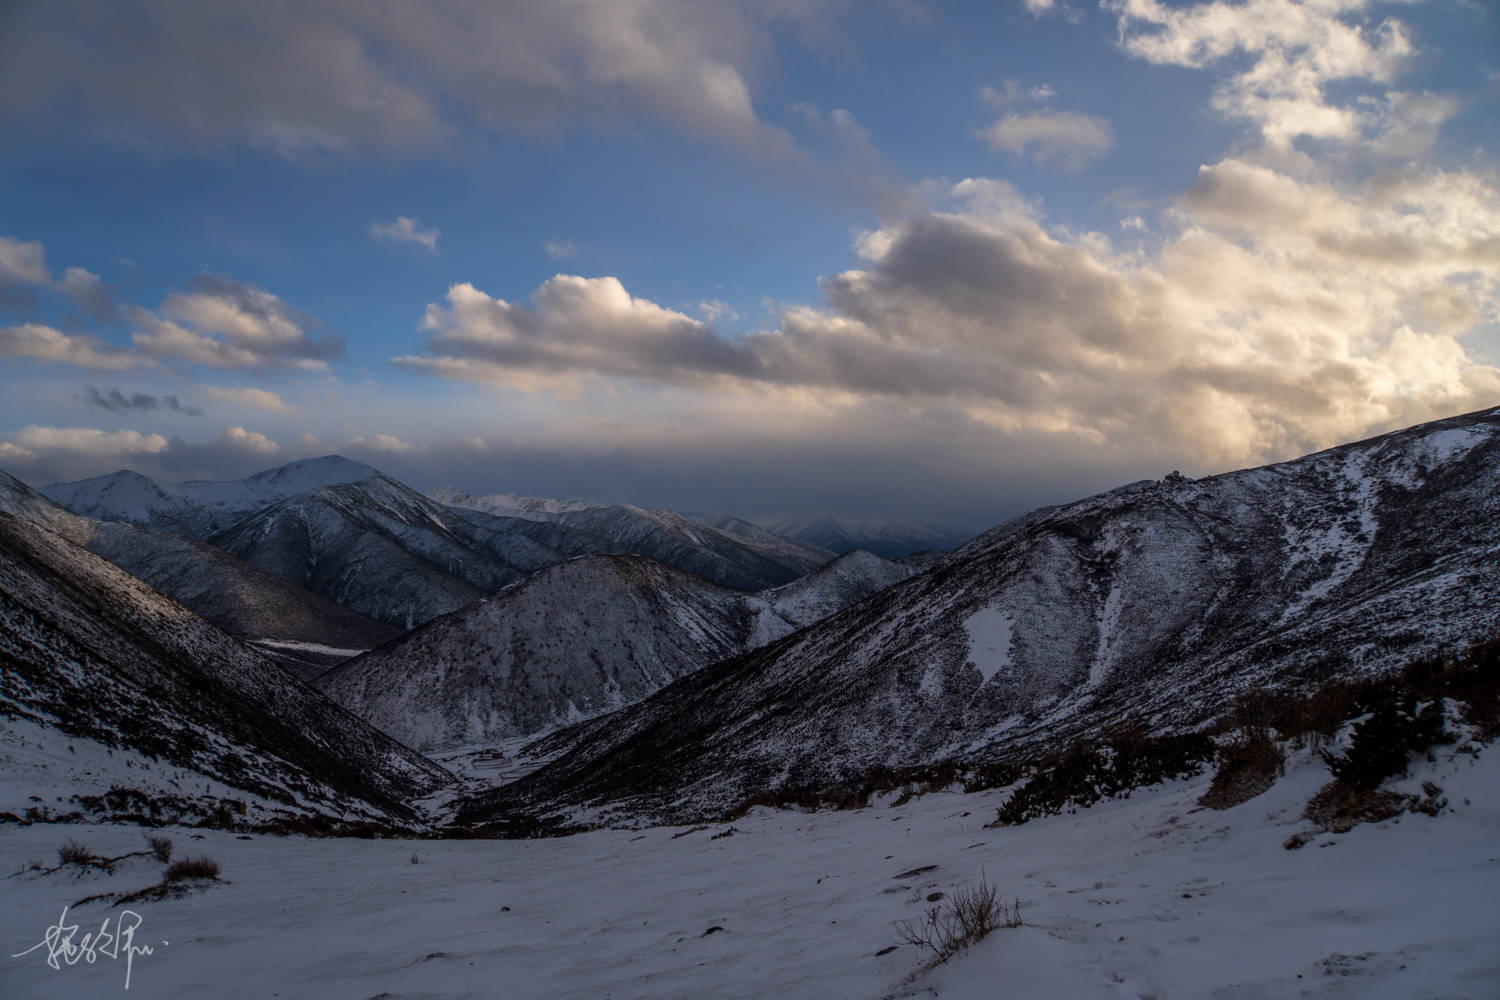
90,652
299,629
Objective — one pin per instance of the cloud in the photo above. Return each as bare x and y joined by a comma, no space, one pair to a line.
223,323
251,442
574,325
22,265
383,443
1011,92
351,76
44,454
1133,222
406,230
1288,57
116,401
559,249
1067,140
44,343
1042,8
33,442
260,399
88,292
713,310
1281,314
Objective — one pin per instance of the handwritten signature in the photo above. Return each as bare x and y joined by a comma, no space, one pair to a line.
63,949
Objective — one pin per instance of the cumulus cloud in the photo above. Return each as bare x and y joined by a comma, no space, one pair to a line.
223,323
403,229
1283,313
51,454
1288,57
559,249
573,325
251,442
1067,140
35,442
260,399
44,343
116,401
351,75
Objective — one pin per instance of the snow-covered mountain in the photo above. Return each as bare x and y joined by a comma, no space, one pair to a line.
379,548
575,640
298,629
892,539
199,508
362,540
511,504
731,552
113,690
1157,603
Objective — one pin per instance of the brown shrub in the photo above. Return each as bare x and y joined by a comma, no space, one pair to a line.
1247,768
191,868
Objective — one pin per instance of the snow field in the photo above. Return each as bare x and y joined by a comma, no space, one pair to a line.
1145,897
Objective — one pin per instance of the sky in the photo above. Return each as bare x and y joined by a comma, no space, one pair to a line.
931,261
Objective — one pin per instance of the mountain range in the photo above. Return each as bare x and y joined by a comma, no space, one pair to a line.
1154,605
362,540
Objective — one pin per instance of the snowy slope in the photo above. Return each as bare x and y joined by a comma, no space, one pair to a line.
92,656
575,640
1145,897
1157,603
244,601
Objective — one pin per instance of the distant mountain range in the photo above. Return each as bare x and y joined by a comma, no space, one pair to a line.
1156,605
362,540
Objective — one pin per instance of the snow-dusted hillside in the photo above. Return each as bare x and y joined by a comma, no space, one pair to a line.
301,630
575,640
1157,603
151,701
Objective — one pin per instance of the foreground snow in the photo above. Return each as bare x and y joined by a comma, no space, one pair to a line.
1147,897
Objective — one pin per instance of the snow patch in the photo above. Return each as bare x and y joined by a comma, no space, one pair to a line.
989,640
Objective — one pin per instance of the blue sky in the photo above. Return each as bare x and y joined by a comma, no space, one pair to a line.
927,260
